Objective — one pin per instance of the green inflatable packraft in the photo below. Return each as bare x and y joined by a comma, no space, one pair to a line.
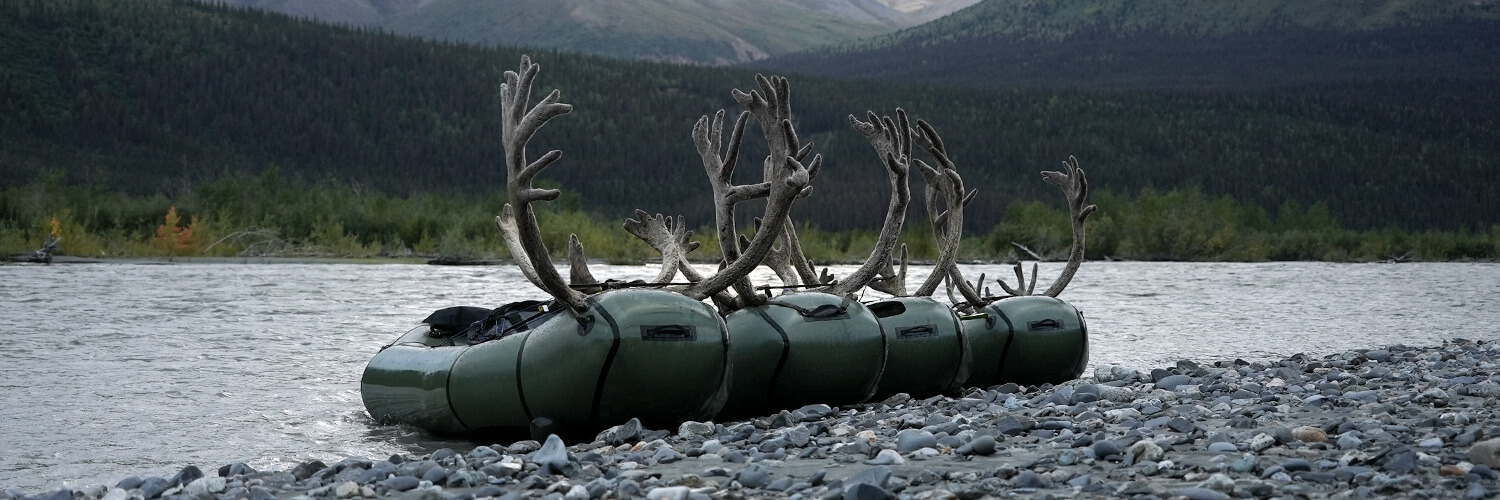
1029,340
801,349
640,353
926,353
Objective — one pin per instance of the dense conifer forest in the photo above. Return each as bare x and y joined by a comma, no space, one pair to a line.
141,105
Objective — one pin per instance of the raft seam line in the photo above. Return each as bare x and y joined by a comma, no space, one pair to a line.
520,387
786,347
609,360
448,391
1010,328
958,365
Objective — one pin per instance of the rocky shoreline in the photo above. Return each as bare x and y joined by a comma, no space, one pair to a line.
1399,422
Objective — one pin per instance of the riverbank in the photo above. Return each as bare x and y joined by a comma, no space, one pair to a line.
1403,422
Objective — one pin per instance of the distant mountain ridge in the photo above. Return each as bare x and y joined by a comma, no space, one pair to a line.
682,31
1174,44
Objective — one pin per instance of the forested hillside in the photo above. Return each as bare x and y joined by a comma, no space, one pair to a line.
147,96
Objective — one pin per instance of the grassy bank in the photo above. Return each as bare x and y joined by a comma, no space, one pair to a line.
270,215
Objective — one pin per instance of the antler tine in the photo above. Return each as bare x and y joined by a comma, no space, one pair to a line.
1031,288
520,121
1075,186
891,281
1020,282
578,268
666,238
891,138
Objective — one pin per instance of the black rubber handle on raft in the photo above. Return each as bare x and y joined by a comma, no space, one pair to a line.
917,331
679,333
825,312
1043,325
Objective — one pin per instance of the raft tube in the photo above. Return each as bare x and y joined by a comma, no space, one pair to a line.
927,355
800,349
1028,340
648,354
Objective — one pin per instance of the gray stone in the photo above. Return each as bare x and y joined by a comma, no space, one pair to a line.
305,470
552,458
1401,460
1486,452
694,430
1180,424
1028,479
1106,448
1172,382
753,476
1245,464
1113,373
435,475
1296,465
1011,425
812,412
116,494
153,487
259,493
1147,450
910,440
187,475
867,492
886,457
878,476
670,493
665,455
982,445
1198,494
401,483
1067,457
523,447
628,432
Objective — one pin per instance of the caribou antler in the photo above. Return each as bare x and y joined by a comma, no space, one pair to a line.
1075,187
668,236
786,179
945,185
891,139
518,222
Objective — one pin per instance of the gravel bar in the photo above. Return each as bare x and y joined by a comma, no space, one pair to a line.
1394,422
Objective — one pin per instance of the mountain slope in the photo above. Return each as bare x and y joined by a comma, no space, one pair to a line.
1175,44
688,31
1056,20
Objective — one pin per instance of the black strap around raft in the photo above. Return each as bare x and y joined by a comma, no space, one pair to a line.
506,320
825,312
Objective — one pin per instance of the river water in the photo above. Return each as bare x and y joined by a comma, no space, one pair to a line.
129,368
